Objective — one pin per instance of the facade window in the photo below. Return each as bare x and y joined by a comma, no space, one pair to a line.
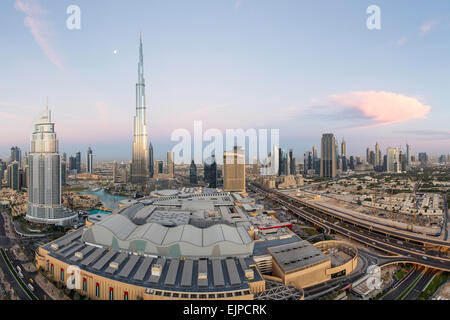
111,294
125,295
62,274
52,270
84,284
97,289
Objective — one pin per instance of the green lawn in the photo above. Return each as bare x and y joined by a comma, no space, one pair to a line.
400,274
434,285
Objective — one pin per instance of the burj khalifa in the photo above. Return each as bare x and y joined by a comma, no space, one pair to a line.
139,164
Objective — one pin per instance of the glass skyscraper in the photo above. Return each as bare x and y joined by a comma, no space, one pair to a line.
44,191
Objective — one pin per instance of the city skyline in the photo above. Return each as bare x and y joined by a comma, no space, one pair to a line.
303,94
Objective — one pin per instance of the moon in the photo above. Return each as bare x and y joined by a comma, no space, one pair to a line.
115,51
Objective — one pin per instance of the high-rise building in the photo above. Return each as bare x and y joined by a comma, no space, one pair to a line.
378,160
72,164
151,161
2,170
368,155
271,164
408,154
13,175
193,174
159,166
89,161
308,162
210,171
352,163
170,165
393,160
44,191
423,158
115,173
328,156
16,155
63,173
372,157
234,170
343,148
292,170
78,161
140,156
316,163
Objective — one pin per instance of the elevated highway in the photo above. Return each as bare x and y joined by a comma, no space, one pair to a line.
406,251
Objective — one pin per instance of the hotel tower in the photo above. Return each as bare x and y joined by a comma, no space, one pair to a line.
44,191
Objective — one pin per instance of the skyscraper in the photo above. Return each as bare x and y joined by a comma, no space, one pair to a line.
378,161
151,161
234,170
344,155
328,156
291,162
368,155
44,191
170,165
78,161
13,176
89,161
140,156
193,174
343,148
408,155
393,160
210,171
16,155
308,162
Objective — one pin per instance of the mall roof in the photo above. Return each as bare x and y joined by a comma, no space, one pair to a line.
297,255
119,232
176,275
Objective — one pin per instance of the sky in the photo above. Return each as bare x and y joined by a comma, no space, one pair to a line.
304,67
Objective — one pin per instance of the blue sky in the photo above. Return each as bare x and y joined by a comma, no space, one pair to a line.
306,67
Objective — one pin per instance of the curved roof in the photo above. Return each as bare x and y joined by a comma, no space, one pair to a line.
119,231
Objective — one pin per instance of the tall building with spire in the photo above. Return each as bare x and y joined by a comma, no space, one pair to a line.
89,161
140,157
44,176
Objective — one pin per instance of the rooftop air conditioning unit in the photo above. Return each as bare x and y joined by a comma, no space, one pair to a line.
156,270
114,265
79,255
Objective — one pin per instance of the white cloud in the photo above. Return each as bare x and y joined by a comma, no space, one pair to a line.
39,28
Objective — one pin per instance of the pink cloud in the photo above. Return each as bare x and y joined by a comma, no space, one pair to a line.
39,28
427,27
400,42
382,107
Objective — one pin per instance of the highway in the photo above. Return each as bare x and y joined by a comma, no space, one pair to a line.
4,240
6,243
408,251
420,285
365,222
404,284
446,217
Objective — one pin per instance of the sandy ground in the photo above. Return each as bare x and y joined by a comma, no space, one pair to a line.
444,291
6,290
49,288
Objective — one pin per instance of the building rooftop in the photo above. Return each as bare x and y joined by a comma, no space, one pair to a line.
191,275
297,255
